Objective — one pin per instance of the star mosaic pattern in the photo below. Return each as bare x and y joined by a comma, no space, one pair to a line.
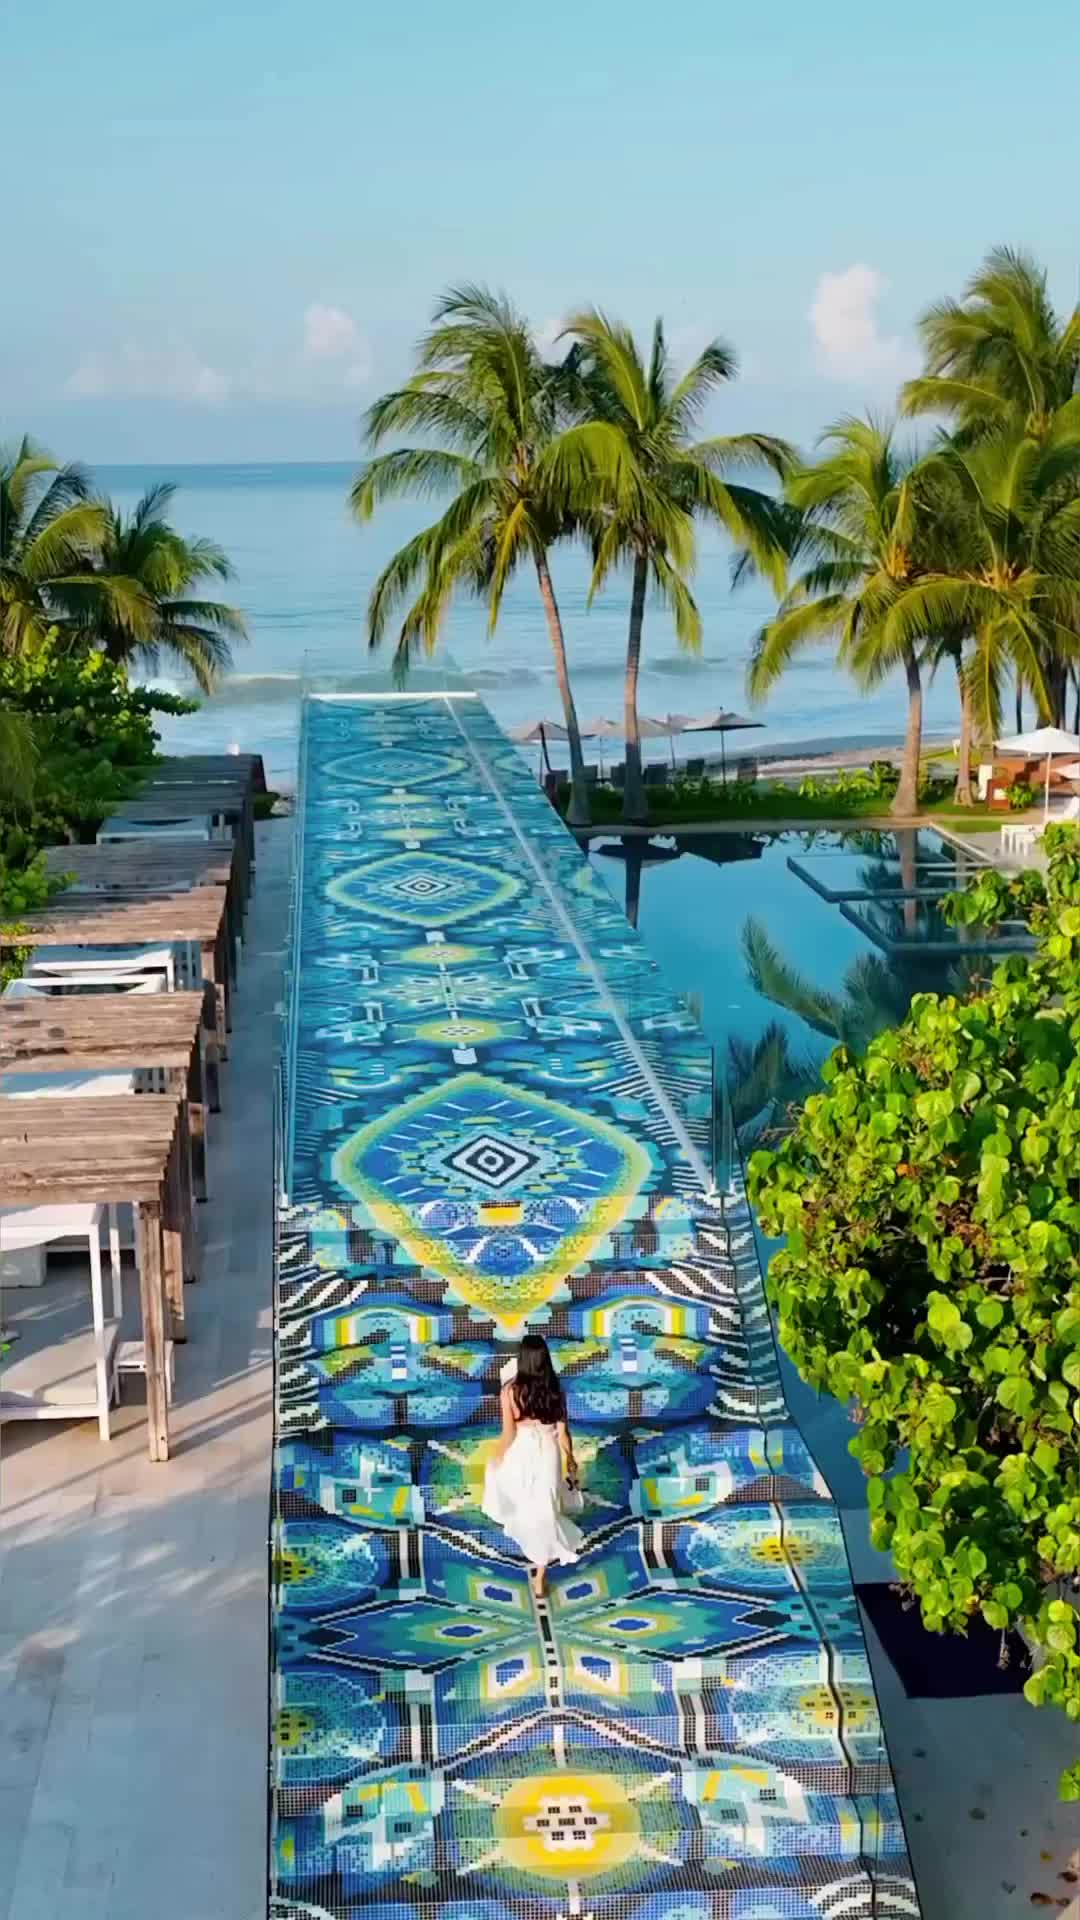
499,1118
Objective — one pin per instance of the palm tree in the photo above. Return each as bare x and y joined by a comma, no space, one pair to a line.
998,354
164,569
650,479
483,391
1001,360
1011,578
50,532
863,538
765,1081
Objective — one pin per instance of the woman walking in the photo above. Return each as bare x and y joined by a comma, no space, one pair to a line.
532,1479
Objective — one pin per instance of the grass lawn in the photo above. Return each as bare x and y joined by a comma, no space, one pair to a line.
701,805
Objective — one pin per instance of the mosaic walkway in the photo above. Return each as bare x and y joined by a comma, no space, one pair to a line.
496,1118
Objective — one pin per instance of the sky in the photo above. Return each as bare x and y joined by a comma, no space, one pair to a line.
230,222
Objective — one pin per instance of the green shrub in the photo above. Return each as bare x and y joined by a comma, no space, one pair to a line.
930,1199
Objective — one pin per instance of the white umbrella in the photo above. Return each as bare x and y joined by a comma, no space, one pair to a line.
542,731
601,728
535,730
1048,741
662,729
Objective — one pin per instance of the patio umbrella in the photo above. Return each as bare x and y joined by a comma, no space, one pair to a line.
1048,741
665,729
542,731
721,721
601,728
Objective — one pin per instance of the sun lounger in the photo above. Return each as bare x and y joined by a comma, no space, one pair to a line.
70,1379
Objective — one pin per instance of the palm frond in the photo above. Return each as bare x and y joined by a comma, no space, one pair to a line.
777,643
409,470
774,979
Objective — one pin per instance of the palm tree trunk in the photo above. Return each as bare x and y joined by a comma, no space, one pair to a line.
578,813
1057,684
633,852
1019,704
1076,702
906,801
906,845
964,795
634,788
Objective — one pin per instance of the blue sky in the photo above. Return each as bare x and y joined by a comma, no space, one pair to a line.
230,222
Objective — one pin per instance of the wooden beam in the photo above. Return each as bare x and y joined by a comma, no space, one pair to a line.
152,1295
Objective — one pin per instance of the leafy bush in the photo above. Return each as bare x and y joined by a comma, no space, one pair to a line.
24,886
1021,797
91,737
93,733
930,1198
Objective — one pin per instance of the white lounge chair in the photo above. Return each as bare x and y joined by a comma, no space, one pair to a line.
43,988
89,963
74,1085
51,1383
202,826
1021,836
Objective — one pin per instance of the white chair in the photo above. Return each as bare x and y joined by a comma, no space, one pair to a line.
203,826
32,1388
90,963
70,1086
1018,837
42,988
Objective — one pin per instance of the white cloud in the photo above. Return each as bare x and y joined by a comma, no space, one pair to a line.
329,333
548,337
844,317
332,335
158,373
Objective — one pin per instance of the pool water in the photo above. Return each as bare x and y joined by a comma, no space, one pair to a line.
788,943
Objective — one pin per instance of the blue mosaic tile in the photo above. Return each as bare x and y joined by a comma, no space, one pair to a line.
498,1113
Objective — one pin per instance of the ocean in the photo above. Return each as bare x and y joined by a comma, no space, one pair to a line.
304,569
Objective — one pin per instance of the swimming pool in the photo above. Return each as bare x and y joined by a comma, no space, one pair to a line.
788,943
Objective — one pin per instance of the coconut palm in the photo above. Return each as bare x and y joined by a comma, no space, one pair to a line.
1011,575
164,569
484,393
650,479
765,1081
18,759
1002,361
999,355
863,534
50,532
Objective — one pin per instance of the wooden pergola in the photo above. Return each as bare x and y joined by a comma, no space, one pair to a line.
120,1149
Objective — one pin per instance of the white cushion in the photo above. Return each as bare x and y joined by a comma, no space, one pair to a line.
95,959
43,985
34,1226
61,1374
63,1086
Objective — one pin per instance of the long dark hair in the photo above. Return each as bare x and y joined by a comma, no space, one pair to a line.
537,1393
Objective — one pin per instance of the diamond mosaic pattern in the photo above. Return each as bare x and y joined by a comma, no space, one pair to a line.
685,1729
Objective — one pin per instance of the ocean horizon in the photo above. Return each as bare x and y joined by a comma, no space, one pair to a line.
303,570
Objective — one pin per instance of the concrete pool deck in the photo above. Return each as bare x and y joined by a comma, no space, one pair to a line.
133,1596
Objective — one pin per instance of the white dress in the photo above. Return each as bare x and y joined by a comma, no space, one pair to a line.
523,1495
